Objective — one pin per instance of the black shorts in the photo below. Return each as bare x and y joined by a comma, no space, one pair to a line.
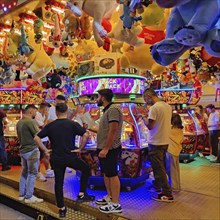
109,164
46,144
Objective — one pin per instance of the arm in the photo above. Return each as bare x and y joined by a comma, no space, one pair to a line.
41,145
148,122
113,127
85,138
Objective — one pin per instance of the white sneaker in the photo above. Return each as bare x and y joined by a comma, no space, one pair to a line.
41,177
21,198
68,170
49,173
210,157
213,159
33,199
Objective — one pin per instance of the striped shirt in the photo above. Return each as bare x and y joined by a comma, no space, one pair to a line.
111,113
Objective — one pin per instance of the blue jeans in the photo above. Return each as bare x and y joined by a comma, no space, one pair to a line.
3,153
29,162
157,156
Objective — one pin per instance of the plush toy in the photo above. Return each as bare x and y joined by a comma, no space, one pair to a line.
85,32
24,47
139,57
71,30
138,5
7,73
38,28
153,22
38,64
10,47
96,9
128,21
131,38
192,23
56,32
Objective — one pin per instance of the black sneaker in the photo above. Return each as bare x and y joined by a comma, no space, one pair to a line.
85,198
62,213
162,198
104,201
5,168
110,208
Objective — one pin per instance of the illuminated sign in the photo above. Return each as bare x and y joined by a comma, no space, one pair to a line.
177,96
119,84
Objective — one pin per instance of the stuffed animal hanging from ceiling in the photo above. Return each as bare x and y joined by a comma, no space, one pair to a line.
96,9
191,23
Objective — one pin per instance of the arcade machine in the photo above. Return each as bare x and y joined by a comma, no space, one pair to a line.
133,165
12,101
193,134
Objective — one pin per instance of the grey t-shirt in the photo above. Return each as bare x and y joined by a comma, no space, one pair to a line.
112,113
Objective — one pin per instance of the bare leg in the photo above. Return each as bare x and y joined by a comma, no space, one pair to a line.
107,185
115,188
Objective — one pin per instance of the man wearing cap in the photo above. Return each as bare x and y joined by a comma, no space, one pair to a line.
41,120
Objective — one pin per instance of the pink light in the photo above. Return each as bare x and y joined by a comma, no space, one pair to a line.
9,6
14,3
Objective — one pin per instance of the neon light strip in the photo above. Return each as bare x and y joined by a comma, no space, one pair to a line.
136,125
111,76
173,90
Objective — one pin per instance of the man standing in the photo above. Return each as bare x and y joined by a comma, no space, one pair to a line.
52,116
41,120
109,147
61,133
29,152
159,124
3,153
214,130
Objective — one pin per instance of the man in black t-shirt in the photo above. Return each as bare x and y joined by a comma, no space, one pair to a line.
3,153
61,133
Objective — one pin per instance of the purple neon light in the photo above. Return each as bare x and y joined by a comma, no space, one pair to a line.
118,85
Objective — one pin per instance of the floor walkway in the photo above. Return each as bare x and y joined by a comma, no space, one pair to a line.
198,200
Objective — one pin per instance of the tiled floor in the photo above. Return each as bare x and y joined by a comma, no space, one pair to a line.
198,200
7,213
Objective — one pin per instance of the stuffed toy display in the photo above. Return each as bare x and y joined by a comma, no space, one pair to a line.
96,9
192,23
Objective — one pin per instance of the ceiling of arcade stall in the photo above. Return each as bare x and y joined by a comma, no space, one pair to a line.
83,55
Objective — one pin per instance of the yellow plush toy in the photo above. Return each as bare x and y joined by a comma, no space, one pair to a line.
153,23
38,63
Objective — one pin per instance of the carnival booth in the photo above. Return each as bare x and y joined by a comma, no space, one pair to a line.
194,135
133,165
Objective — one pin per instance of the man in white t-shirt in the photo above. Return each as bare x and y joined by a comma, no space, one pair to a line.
214,130
41,120
52,115
158,122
